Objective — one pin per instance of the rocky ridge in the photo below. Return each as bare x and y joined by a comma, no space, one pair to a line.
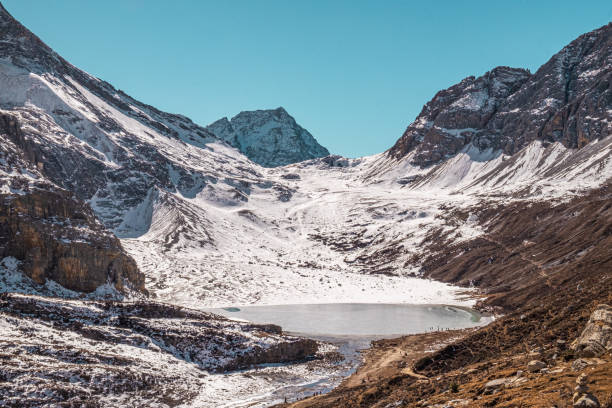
108,149
568,100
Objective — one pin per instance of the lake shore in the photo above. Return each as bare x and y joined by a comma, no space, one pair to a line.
384,359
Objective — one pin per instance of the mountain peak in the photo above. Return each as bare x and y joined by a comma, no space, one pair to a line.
278,114
269,137
507,108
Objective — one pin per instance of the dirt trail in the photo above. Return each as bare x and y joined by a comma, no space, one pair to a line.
409,371
538,265
376,366
391,357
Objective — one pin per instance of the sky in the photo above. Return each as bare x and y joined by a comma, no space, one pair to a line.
354,73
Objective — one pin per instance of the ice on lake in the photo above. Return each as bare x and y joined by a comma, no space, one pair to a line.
359,319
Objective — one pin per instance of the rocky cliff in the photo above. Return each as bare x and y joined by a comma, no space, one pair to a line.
568,99
57,237
270,138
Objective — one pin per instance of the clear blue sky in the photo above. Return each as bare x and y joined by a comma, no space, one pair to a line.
354,73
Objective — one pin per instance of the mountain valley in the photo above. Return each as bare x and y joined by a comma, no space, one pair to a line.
123,226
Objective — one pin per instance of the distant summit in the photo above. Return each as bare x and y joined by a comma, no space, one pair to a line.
270,138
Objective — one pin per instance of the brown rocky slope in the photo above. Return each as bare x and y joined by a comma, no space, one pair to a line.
57,237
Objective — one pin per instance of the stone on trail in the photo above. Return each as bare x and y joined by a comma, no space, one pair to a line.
535,365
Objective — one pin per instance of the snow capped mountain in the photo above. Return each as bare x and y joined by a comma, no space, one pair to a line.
101,144
270,138
567,100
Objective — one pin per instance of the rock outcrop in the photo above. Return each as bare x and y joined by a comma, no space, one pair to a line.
212,342
535,365
270,138
50,233
568,100
57,237
596,338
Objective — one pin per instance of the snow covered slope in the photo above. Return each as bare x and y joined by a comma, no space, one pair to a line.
114,354
270,138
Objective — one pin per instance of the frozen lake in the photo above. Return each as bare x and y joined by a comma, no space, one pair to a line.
359,319
351,327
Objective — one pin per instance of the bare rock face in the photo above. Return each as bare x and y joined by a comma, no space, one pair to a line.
457,116
57,237
270,138
567,100
596,338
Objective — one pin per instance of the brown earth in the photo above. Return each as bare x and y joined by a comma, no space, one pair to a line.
546,266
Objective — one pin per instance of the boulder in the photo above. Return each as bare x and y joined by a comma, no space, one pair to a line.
596,338
587,401
497,384
580,363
